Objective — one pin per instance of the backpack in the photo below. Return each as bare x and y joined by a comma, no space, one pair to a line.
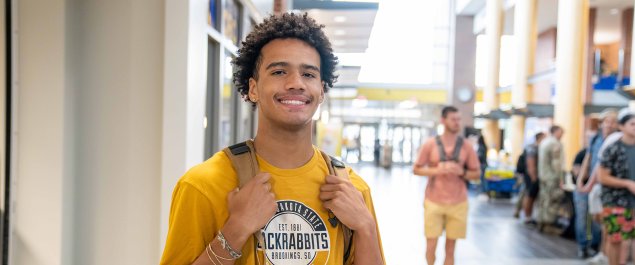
243,159
521,163
455,153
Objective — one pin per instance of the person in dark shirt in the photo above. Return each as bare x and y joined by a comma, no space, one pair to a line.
617,176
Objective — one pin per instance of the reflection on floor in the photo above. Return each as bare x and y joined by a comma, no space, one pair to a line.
494,236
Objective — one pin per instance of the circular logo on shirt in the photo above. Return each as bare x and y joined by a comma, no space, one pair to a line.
295,235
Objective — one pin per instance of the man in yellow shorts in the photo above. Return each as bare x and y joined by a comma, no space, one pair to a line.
447,160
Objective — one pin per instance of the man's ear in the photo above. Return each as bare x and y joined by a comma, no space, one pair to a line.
322,93
253,92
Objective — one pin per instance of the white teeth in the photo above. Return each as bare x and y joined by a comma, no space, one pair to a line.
292,102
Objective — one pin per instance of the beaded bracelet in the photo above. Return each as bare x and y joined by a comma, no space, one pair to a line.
226,246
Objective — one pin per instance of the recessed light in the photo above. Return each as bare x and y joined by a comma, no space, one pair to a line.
614,11
339,19
339,42
340,32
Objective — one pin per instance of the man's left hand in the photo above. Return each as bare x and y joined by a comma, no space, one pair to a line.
346,202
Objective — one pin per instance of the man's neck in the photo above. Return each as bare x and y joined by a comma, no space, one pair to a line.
449,136
628,139
284,148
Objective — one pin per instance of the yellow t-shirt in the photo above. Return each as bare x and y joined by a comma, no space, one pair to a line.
299,232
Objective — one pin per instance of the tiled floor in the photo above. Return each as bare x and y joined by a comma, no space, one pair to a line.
493,238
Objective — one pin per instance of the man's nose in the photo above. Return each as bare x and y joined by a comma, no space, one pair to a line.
294,81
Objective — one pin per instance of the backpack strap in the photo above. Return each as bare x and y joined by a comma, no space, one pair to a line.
455,154
442,156
337,168
243,158
457,149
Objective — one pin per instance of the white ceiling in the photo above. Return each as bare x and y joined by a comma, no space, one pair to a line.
348,30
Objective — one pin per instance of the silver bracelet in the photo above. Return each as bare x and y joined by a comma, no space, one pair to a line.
226,246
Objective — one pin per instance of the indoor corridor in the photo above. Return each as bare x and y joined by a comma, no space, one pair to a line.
494,237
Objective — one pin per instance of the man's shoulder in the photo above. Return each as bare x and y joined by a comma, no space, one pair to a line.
357,180
217,170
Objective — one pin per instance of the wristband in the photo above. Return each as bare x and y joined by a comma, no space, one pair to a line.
226,246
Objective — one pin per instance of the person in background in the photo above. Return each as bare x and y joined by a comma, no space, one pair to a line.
550,174
529,171
589,232
616,173
447,160
481,152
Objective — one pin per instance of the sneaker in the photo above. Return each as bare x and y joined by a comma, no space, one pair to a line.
598,259
583,254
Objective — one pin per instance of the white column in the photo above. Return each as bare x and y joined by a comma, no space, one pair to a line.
184,95
42,155
525,36
493,30
573,18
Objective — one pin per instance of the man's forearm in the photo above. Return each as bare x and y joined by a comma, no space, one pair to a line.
367,250
425,171
473,174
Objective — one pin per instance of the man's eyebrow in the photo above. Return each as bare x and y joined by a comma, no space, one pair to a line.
285,64
312,67
276,64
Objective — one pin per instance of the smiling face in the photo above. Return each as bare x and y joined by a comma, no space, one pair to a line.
288,87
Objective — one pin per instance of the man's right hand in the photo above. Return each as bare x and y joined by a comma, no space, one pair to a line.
252,206
630,185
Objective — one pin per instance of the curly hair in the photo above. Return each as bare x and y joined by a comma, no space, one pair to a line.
288,25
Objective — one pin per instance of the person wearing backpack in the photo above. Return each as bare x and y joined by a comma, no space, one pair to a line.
527,166
447,161
277,199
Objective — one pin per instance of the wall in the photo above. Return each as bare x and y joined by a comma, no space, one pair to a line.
42,151
545,60
464,67
610,53
89,132
119,117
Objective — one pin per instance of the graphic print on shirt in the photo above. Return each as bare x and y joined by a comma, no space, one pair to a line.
295,235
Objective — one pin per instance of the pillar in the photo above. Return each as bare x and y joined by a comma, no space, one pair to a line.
493,30
526,37
570,50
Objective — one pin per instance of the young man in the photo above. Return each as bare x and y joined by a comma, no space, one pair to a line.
584,224
284,68
550,173
447,160
532,185
617,175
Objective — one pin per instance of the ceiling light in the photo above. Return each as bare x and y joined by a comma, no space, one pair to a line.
614,11
340,32
339,42
339,19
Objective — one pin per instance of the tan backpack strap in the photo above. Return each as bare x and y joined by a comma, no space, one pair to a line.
337,168
243,158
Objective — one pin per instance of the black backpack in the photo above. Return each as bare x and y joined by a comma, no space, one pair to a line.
521,164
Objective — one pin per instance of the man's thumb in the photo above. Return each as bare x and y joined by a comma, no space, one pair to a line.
232,194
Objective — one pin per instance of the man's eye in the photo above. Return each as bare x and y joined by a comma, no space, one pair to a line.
277,72
310,75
